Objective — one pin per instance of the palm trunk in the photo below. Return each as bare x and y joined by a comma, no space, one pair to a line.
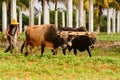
98,24
98,19
91,15
13,10
56,15
118,21
69,13
56,18
39,18
63,18
20,20
84,18
4,17
77,18
46,13
31,12
108,22
81,13
114,21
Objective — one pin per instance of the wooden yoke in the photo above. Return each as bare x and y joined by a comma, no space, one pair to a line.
75,33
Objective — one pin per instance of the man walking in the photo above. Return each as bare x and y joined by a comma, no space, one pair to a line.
11,31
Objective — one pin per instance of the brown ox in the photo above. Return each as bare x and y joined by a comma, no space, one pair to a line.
41,36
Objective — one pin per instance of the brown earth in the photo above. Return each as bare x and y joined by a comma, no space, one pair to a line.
107,44
98,44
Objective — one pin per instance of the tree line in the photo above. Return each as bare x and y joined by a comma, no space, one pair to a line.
78,13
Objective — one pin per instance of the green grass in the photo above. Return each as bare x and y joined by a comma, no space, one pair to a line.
102,66
105,37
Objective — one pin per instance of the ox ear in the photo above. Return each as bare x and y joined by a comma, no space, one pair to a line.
59,33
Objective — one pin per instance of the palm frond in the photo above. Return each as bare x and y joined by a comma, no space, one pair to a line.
21,5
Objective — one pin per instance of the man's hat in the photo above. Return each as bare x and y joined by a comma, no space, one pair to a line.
14,21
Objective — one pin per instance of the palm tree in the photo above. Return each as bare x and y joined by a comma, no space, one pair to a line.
100,5
39,17
81,7
114,4
75,3
13,10
56,12
21,7
84,18
31,12
69,5
118,15
116,7
108,22
81,2
114,21
45,10
63,18
69,13
91,15
118,21
4,16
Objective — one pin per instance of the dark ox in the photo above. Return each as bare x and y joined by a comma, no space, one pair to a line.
79,42
41,36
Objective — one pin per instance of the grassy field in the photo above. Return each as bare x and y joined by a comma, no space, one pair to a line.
104,64
112,37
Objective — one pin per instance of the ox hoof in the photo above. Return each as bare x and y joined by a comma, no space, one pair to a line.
26,54
11,51
53,53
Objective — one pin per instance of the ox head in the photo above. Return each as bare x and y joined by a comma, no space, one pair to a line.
93,38
63,37
60,40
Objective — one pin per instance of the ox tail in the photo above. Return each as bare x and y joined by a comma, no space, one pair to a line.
22,47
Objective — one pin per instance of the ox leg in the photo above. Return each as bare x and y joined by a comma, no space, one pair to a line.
32,49
64,47
42,50
22,47
88,50
26,48
64,51
75,51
